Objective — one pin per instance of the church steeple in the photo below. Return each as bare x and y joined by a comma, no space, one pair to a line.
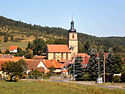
73,40
72,29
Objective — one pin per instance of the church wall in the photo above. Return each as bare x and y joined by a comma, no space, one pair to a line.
69,56
73,36
58,56
50,56
75,45
64,56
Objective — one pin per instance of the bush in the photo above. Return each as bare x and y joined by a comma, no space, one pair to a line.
34,74
116,79
123,77
86,77
108,78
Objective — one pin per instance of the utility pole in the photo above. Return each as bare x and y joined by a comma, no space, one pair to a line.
104,68
98,67
74,70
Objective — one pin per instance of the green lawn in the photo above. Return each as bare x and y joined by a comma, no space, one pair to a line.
46,87
5,45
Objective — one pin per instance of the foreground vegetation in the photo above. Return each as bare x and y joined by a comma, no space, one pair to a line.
46,87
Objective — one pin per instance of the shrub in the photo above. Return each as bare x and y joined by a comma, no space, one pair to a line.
116,79
86,77
123,77
34,74
108,78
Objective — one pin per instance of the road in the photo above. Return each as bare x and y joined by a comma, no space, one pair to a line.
87,83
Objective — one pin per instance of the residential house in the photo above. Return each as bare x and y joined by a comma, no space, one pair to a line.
13,48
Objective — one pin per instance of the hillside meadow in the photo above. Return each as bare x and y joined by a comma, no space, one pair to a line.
5,45
46,87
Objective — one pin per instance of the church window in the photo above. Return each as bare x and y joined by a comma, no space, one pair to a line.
72,35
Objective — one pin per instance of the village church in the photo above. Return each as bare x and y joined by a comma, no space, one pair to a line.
64,52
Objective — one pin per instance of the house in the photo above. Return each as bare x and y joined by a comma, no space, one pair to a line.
13,48
4,56
47,64
32,64
85,58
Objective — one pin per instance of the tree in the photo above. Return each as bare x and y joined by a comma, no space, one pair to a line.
20,52
101,61
92,66
60,41
86,46
5,38
7,51
34,74
30,46
51,70
15,68
76,68
113,63
0,51
28,54
39,47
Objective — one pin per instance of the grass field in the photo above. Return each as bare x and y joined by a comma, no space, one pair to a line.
5,45
46,87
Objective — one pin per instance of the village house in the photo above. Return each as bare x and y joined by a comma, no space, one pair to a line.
13,48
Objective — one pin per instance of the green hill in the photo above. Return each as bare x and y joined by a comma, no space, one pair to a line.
19,32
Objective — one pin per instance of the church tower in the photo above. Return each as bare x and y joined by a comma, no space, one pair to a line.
72,40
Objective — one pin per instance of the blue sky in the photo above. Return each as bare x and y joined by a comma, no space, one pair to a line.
94,17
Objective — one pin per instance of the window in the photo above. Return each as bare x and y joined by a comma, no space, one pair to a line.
73,36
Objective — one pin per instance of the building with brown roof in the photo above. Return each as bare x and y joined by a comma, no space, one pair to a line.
60,52
13,48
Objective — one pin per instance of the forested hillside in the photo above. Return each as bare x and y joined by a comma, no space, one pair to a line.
18,31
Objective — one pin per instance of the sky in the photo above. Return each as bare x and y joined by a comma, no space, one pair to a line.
100,18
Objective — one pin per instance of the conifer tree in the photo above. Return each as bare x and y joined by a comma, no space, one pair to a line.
101,61
92,67
76,68
113,63
109,62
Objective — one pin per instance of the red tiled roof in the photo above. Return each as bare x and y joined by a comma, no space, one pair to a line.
39,57
18,57
12,47
82,55
58,48
85,61
1,55
62,60
52,63
32,63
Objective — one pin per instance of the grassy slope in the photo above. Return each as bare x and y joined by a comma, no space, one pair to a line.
52,88
5,45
